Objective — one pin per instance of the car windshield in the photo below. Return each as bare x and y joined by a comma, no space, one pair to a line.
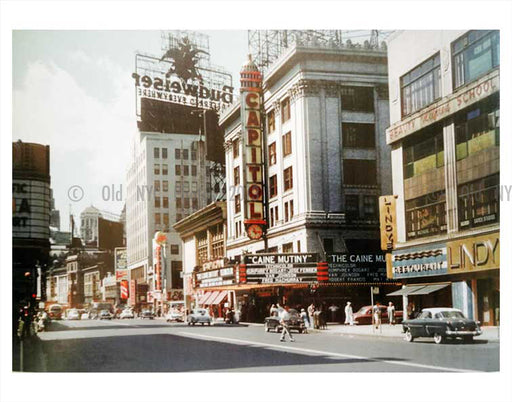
362,310
450,314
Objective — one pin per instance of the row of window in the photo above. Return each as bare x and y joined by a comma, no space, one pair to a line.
180,186
178,153
179,170
288,182
274,213
187,202
478,205
473,55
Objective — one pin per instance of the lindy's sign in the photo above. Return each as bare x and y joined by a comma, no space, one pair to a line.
387,210
474,254
458,101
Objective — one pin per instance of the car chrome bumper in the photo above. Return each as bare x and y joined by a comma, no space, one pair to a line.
463,333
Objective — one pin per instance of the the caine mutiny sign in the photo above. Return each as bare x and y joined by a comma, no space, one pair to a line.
387,209
357,268
281,268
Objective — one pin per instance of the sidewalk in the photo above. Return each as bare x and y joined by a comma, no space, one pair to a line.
490,334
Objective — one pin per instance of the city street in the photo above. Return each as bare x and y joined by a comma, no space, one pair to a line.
156,346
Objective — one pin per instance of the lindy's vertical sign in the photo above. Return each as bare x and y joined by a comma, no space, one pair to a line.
387,207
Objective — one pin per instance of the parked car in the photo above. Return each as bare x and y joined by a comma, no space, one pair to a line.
85,315
174,315
126,313
55,312
295,322
199,315
105,315
147,314
441,323
73,314
364,315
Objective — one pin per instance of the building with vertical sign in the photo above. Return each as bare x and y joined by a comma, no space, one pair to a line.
444,89
31,213
176,157
325,161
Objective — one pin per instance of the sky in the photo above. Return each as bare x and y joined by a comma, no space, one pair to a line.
73,90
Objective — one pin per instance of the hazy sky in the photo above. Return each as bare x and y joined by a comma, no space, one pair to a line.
73,90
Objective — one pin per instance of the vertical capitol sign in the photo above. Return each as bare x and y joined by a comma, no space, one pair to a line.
251,118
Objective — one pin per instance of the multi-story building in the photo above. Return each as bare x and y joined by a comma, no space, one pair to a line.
444,89
167,180
326,112
89,225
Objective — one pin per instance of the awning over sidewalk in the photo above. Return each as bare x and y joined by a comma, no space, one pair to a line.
220,297
211,296
418,289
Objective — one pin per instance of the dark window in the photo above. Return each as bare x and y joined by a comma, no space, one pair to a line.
165,185
291,208
176,274
352,206
157,219
272,186
157,202
474,54
286,212
357,99
156,152
157,185
288,178
166,202
370,206
193,154
185,154
288,247
272,154
177,170
236,175
285,110
186,202
236,148
271,121
424,154
195,204
358,135
177,153
194,170
238,206
185,170
359,172
178,202
329,246
166,219
479,202
175,249
421,86
287,144
157,169
425,215
164,153
164,169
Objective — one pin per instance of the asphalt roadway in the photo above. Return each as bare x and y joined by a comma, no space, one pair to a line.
156,346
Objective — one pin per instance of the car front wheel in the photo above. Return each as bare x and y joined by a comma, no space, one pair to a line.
438,338
267,328
408,336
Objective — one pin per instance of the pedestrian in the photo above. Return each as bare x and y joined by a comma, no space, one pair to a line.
311,311
391,314
376,315
349,314
273,310
334,312
284,317
304,317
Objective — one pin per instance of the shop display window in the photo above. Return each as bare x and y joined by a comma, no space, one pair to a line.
426,215
479,202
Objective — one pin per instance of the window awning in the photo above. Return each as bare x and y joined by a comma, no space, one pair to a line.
220,297
418,290
211,296
203,298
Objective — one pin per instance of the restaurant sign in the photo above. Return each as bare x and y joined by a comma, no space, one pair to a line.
428,260
357,268
474,254
281,268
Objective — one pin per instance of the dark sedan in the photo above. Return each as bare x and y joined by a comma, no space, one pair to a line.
295,322
147,314
441,323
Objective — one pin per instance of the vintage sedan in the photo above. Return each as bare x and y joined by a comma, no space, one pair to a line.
364,315
441,323
105,315
126,313
295,322
199,315
146,314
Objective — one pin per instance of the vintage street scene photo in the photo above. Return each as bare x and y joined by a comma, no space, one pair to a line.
255,201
